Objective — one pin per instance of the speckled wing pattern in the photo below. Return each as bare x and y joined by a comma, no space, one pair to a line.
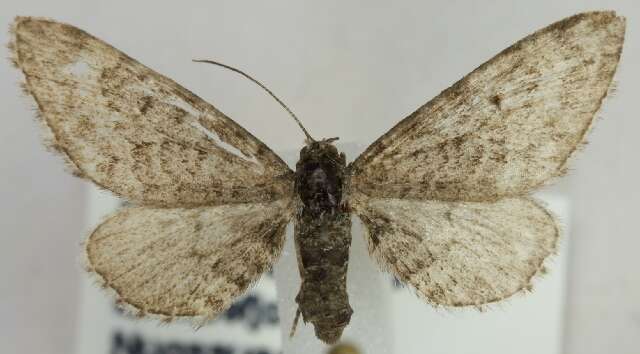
459,253
135,132
444,194
186,262
213,200
507,127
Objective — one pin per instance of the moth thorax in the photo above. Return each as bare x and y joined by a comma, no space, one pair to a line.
319,178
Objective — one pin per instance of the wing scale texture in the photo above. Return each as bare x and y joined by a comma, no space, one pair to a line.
186,262
507,127
459,253
135,132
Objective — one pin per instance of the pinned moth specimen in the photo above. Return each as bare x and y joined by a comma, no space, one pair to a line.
444,195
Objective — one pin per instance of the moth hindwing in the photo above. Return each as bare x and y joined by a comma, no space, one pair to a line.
444,195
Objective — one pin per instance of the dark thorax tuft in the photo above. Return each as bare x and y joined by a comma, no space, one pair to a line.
320,174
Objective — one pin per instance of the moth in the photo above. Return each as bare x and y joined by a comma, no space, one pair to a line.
444,195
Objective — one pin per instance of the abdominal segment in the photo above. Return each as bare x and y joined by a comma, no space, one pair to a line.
323,244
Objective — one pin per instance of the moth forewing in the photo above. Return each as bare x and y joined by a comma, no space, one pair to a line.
506,128
135,132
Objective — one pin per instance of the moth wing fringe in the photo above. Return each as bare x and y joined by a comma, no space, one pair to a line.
46,133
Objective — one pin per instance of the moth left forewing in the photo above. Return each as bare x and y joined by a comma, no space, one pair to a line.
193,262
459,253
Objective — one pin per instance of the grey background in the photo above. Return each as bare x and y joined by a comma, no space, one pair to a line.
347,68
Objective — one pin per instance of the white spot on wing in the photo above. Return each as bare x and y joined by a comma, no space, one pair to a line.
227,147
175,101
182,105
82,73
79,68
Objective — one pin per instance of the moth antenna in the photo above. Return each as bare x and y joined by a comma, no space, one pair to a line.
309,138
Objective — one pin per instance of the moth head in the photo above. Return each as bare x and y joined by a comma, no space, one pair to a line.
322,150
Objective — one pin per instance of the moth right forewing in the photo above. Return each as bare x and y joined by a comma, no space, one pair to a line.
507,127
135,132
459,253
175,262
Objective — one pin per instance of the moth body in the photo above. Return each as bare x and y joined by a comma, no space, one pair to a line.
322,238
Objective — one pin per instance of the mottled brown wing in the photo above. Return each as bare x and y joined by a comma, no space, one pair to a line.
459,253
507,127
135,132
186,262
